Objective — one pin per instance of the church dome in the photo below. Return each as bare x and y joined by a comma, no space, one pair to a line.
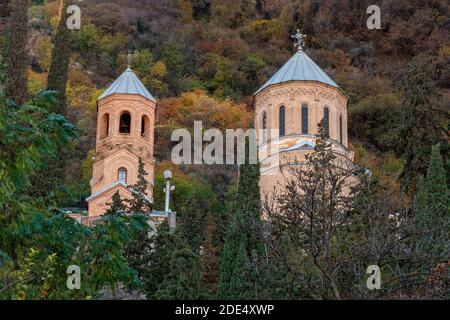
299,67
128,83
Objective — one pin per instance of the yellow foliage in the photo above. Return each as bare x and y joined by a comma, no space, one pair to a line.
159,69
36,81
197,105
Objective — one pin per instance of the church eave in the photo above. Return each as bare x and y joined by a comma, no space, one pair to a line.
279,84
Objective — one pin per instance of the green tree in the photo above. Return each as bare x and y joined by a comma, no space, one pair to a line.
433,213
421,118
210,259
233,276
116,207
140,203
138,249
163,245
59,68
182,280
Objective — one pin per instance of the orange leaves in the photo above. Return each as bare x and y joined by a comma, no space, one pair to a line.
198,106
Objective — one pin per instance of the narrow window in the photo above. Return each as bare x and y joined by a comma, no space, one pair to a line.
264,126
326,121
143,127
340,129
125,123
123,175
304,118
104,126
282,122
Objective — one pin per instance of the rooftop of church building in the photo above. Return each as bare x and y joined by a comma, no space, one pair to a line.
300,67
127,83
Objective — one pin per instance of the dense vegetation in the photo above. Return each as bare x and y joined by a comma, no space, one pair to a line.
203,59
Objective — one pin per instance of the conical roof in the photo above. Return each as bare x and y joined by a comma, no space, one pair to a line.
127,83
299,67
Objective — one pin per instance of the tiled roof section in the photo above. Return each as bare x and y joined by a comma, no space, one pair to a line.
299,67
127,83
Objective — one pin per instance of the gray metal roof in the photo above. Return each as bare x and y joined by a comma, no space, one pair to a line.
128,83
299,67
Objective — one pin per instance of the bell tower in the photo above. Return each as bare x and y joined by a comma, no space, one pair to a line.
125,132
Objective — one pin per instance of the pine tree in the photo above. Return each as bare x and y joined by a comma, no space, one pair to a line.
139,248
420,118
116,207
17,55
139,203
59,68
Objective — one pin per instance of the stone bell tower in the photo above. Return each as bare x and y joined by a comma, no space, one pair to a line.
125,133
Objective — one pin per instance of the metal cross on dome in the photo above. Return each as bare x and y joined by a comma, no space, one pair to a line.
129,57
299,37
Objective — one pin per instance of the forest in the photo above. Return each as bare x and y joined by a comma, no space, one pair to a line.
203,60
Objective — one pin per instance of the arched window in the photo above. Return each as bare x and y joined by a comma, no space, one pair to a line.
145,127
282,131
125,123
104,126
123,175
304,118
264,125
326,121
341,139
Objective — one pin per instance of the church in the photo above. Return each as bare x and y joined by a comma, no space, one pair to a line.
288,109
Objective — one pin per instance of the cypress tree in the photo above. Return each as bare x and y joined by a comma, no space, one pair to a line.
210,259
17,55
437,204
420,118
432,220
192,223
437,197
248,202
233,280
59,68
182,279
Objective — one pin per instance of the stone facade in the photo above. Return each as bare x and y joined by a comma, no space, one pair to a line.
277,154
125,133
